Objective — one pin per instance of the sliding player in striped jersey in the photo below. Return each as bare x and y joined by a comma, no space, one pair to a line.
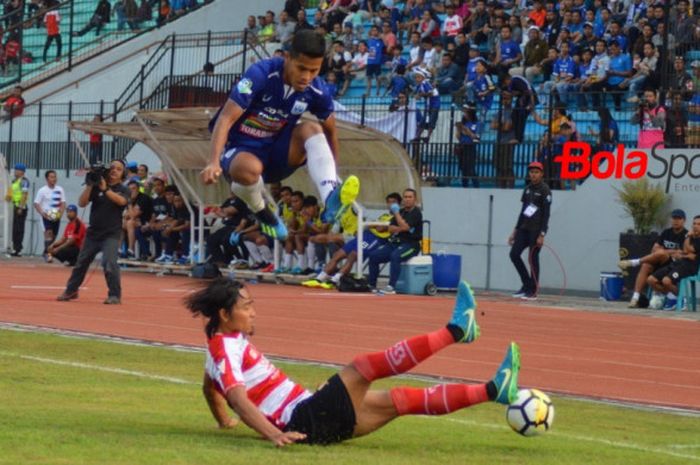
237,375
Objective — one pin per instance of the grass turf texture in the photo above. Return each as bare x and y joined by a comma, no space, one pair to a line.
54,413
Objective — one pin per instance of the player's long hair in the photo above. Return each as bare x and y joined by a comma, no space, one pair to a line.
219,293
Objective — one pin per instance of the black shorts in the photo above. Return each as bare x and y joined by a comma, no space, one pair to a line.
374,70
677,270
327,416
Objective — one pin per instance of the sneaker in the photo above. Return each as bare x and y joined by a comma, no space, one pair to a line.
463,313
308,271
340,199
16,254
130,255
311,283
112,300
670,304
656,302
529,296
624,264
271,224
295,270
520,292
634,303
506,379
49,258
388,290
165,258
327,286
184,260
66,296
281,270
269,268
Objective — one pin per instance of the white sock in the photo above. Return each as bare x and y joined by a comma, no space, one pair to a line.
635,296
311,254
302,261
336,277
671,296
287,261
253,251
321,165
266,253
322,276
635,261
251,195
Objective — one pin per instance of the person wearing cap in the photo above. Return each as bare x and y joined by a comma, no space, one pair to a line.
588,39
666,279
468,130
535,52
665,250
67,248
681,81
431,101
108,200
530,230
18,194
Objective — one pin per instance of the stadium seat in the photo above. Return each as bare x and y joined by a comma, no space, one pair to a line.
687,291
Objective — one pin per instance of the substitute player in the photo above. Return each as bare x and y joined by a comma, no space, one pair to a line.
256,138
239,376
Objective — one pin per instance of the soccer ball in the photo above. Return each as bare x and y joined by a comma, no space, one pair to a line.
54,214
531,414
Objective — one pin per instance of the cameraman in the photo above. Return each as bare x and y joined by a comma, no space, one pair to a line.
109,197
651,118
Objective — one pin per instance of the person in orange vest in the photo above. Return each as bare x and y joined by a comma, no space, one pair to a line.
52,19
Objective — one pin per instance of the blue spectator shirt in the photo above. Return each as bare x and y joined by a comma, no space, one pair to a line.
270,105
374,48
473,126
483,84
433,99
615,129
509,50
331,88
583,70
622,40
694,102
471,69
621,62
564,67
398,61
398,84
576,28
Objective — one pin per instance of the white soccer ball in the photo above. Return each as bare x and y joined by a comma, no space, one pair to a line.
54,214
531,414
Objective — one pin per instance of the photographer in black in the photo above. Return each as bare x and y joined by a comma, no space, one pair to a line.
109,197
530,230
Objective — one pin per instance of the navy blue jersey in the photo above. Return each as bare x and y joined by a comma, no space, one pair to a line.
271,105
432,99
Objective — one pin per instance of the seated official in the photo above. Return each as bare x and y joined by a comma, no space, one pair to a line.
406,228
67,248
234,215
667,249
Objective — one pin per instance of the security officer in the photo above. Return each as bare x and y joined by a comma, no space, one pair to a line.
18,194
530,230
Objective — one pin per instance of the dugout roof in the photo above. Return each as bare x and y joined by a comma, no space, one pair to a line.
180,138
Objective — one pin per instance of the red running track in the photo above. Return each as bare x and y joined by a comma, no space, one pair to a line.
629,358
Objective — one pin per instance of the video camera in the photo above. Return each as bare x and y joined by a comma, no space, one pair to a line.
95,174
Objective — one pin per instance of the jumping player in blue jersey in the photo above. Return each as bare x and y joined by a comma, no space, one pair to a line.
257,136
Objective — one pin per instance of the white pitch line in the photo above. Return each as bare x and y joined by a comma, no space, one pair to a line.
87,366
575,437
19,286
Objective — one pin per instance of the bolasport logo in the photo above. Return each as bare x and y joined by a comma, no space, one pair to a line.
577,162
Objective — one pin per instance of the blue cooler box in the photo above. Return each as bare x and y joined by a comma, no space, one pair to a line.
416,275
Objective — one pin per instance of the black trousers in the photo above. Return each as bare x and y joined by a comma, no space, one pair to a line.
67,254
47,44
467,164
18,221
110,253
525,239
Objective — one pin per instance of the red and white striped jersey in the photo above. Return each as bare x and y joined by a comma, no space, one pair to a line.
232,361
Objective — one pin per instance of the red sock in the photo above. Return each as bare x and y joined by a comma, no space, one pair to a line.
437,400
402,356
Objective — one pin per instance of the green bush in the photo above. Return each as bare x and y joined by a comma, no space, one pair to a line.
644,202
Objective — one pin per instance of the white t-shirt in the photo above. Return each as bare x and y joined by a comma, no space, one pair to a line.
452,25
48,198
360,60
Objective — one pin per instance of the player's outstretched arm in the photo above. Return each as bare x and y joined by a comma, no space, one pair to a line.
227,118
217,404
251,416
